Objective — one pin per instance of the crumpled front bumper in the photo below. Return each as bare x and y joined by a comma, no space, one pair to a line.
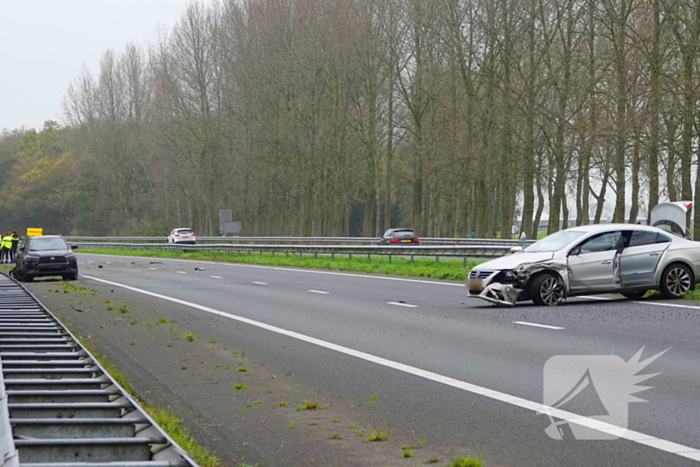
499,294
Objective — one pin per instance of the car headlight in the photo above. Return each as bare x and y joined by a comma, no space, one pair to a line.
510,274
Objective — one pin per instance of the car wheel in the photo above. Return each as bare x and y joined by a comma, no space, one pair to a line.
27,277
676,280
70,277
547,289
636,295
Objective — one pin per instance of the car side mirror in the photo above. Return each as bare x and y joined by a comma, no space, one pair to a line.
74,247
575,251
516,249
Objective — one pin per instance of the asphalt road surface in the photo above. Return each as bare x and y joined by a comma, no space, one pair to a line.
442,375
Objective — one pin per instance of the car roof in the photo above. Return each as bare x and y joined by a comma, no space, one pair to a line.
619,226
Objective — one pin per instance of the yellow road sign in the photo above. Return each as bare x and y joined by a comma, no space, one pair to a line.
34,231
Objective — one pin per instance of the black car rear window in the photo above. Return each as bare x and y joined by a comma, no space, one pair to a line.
404,234
43,244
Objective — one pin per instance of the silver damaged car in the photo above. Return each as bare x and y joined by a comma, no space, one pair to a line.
628,259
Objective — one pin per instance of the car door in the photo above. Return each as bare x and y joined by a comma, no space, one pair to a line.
640,258
385,238
19,259
591,263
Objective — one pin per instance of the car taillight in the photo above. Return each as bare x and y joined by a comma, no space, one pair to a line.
394,240
177,235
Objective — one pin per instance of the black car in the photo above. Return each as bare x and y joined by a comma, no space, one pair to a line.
399,237
45,255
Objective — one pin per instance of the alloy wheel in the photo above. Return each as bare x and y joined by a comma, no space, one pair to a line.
551,291
678,281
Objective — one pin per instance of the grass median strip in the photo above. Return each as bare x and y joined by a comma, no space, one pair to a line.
446,269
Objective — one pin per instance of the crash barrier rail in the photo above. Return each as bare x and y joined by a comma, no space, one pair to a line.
62,407
307,240
456,251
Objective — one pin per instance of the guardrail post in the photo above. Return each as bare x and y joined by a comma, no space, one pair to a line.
412,256
369,258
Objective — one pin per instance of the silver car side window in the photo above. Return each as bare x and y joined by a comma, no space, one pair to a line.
602,242
642,237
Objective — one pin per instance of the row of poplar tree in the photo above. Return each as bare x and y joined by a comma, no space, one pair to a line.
347,117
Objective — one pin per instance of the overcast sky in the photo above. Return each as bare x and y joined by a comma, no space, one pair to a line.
44,45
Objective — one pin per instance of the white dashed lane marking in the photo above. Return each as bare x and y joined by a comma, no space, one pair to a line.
407,305
536,325
216,277
322,292
259,283
181,272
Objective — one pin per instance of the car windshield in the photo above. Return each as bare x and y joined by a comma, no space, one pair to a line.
43,244
555,242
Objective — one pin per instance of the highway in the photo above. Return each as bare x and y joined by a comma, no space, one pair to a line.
443,375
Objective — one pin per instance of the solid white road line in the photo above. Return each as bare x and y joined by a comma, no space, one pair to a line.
546,326
643,302
630,435
322,292
407,305
672,305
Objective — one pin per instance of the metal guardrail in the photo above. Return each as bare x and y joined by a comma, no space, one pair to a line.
7,446
457,251
305,240
62,406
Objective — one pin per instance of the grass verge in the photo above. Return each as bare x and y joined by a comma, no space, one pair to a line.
446,269
166,419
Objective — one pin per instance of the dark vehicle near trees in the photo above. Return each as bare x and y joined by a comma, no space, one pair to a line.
45,255
399,237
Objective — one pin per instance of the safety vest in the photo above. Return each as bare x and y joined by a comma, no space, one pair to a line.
7,241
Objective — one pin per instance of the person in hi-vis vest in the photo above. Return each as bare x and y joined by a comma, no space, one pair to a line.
13,248
6,247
